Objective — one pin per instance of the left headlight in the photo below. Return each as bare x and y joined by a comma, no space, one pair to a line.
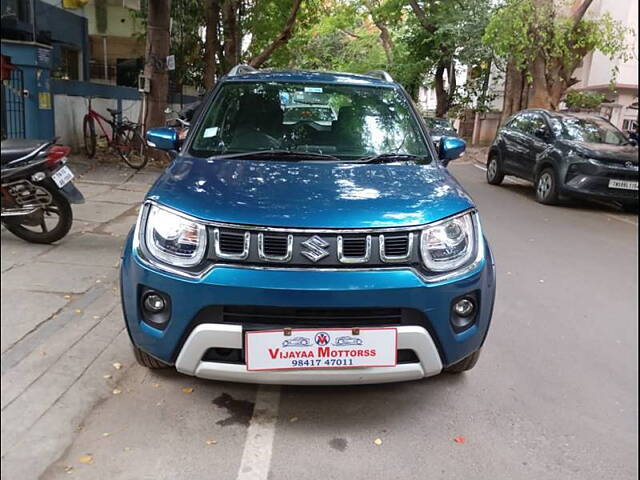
450,244
174,239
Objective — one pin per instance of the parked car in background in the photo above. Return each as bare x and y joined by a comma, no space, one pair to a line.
265,228
566,155
440,127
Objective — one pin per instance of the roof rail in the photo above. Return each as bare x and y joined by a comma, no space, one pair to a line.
241,70
381,74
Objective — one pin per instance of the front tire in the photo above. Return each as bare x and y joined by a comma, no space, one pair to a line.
547,187
45,231
147,360
630,207
495,173
465,364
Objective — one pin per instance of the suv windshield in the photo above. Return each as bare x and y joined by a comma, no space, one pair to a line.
591,130
344,121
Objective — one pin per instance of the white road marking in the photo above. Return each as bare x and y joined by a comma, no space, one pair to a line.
256,457
622,219
512,181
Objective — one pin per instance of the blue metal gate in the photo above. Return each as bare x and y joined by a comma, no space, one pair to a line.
12,104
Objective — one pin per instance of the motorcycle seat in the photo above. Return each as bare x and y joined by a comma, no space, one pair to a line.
14,148
114,112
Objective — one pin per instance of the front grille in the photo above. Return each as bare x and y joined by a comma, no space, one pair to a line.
231,242
258,246
312,317
396,245
354,247
275,245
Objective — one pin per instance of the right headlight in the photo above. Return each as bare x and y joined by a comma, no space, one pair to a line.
450,244
174,239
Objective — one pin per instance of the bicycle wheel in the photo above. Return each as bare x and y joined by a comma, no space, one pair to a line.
89,133
130,146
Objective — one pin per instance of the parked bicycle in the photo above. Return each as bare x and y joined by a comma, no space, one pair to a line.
123,136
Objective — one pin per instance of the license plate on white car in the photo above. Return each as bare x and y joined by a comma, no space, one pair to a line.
63,176
623,184
303,348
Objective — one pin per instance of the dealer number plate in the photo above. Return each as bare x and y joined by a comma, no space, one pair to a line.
304,348
62,176
623,184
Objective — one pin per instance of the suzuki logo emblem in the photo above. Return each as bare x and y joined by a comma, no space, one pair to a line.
315,248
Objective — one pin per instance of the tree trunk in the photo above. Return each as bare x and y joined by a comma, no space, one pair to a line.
385,39
211,42
513,92
281,39
442,98
539,93
230,33
157,50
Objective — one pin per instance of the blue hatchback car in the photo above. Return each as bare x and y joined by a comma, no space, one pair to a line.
315,205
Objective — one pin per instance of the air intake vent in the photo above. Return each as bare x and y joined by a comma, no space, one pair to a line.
354,246
396,245
231,242
275,245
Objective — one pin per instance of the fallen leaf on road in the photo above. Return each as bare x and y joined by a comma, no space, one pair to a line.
78,310
126,449
459,439
106,434
541,281
107,376
68,468
155,385
116,391
378,441
211,441
86,459
187,389
293,419
98,281
67,296
96,317
117,365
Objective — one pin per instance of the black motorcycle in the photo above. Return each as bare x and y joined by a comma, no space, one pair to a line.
37,190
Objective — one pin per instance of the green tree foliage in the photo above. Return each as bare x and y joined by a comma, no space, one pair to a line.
583,100
545,41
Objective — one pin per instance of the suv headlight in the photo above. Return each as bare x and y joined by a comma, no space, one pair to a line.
450,244
174,239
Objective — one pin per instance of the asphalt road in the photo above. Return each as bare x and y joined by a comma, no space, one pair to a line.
554,395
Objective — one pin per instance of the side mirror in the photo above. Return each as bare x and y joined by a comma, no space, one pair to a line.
541,133
450,149
163,139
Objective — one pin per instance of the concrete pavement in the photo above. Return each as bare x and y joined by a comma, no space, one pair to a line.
554,394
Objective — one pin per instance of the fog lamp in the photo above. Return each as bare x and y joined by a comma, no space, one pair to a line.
464,307
153,303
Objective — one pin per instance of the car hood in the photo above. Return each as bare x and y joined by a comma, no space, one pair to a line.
602,151
309,194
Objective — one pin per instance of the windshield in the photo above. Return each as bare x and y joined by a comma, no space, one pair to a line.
591,130
438,123
344,121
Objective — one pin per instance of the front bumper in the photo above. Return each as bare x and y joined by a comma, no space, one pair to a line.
589,180
187,337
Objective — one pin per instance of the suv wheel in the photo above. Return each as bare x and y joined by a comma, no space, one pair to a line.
495,174
147,360
547,187
465,364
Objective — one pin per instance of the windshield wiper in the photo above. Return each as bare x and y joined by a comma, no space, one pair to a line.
289,155
391,157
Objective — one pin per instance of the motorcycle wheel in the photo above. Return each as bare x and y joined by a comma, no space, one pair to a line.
46,225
